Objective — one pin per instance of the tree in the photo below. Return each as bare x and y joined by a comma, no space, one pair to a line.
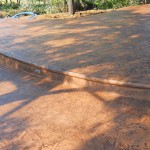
71,7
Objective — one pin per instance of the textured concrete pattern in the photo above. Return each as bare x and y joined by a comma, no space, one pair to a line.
114,45
40,115
132,90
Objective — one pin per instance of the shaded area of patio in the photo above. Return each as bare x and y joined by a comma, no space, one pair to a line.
36,114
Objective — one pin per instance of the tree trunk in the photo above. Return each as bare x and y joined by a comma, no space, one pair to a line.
71,7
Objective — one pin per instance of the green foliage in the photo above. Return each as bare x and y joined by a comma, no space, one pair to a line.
12,12
104,4
108,4
118,3
43,7
3,14
57,6
9,6
9,9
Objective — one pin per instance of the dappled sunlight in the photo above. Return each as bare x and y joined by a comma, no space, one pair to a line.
83,45
90,40
39,114
57,43
42,103
47,113
21,40
108,96
134,36
11,87
10,132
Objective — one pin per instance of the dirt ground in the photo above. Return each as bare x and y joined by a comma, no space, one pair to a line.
37,115
76,15
114,45
64,15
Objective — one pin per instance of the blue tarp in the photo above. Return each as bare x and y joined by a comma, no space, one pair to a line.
32,15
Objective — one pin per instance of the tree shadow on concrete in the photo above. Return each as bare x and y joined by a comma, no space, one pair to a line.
86,45
122,123
18,91
128,129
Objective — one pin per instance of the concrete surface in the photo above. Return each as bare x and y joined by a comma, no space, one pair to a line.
114,45
37,114
40,115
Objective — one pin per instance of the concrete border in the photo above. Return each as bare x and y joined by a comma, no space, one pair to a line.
129,89
82,76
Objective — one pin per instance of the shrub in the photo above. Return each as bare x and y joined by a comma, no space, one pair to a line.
117,3
57,6
2,14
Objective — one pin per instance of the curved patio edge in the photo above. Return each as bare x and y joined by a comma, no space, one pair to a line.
82,76
130,89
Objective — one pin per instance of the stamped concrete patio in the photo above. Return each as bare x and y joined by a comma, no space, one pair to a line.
114,45
37,115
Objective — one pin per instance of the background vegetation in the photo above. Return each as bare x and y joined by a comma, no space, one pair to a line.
11,7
